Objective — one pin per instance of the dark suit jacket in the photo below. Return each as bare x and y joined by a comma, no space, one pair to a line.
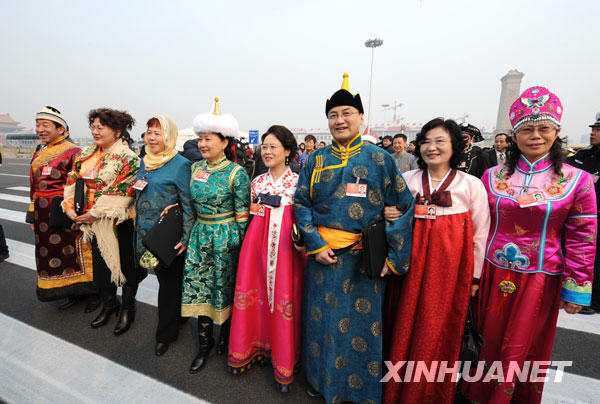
492,160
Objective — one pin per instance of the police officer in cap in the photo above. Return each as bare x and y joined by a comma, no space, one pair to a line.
588,159
473,161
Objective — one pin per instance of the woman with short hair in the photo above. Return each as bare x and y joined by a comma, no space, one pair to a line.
108,168
426,310
266,317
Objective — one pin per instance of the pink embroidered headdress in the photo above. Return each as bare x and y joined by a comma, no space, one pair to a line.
534,105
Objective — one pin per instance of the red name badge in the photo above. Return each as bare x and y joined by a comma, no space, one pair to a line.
89,175
425,212
526,200
47,170
359,190
140,185
202,176
257,209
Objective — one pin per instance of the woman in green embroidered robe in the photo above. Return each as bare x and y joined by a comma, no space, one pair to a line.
220,192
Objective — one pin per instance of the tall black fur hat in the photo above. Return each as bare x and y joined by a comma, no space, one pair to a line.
343,96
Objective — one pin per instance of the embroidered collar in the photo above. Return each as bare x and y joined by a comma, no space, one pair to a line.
536,167
216,165
354,144
55,141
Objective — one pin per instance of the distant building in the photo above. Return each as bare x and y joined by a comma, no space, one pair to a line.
511,88
8,125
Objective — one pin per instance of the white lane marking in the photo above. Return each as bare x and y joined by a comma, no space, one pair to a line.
15,175
24,189
580,322
585,389
15,198
23,254
38,367
12,215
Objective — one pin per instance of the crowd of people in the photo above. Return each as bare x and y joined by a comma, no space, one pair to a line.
280,256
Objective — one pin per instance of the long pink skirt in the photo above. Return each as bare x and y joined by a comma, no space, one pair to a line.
256,331
518,326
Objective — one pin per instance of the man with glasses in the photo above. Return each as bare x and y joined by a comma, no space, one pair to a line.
341,190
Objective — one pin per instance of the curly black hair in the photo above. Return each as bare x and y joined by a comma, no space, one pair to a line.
284,135
452,128
557,158
119,121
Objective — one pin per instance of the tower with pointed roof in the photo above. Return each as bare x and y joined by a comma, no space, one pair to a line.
8,125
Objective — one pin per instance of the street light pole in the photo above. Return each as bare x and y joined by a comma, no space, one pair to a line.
372,43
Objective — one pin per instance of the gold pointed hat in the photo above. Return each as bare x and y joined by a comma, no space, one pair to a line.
343,96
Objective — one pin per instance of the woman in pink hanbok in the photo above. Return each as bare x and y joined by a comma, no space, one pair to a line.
268,292
536,201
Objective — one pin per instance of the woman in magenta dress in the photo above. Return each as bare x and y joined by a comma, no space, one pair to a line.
426,309
268,292
536,202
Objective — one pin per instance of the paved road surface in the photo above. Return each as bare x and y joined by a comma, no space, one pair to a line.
53,356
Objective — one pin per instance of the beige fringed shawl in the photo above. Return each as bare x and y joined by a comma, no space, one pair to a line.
113,200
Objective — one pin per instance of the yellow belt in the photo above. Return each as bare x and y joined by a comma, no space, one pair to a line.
337,239
216,218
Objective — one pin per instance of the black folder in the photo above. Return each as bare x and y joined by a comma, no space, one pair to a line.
57,217
375,249
165,235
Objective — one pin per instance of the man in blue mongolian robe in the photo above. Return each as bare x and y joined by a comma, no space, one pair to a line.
342,341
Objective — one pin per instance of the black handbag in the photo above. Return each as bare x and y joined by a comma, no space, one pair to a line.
472,341
165,235
58,218
79,197
374,249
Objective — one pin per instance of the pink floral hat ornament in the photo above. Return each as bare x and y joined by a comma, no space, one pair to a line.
535,105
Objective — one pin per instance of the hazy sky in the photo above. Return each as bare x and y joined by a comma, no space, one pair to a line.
277,62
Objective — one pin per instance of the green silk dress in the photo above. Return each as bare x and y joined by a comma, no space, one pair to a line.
220,193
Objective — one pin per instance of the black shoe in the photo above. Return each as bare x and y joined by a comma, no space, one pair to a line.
284,388
223,345
127,315
71,301
110,305
312,392
206,343
92,304
587,310
161,348
4,257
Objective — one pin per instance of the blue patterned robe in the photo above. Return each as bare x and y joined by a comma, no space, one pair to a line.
167,185
342,344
